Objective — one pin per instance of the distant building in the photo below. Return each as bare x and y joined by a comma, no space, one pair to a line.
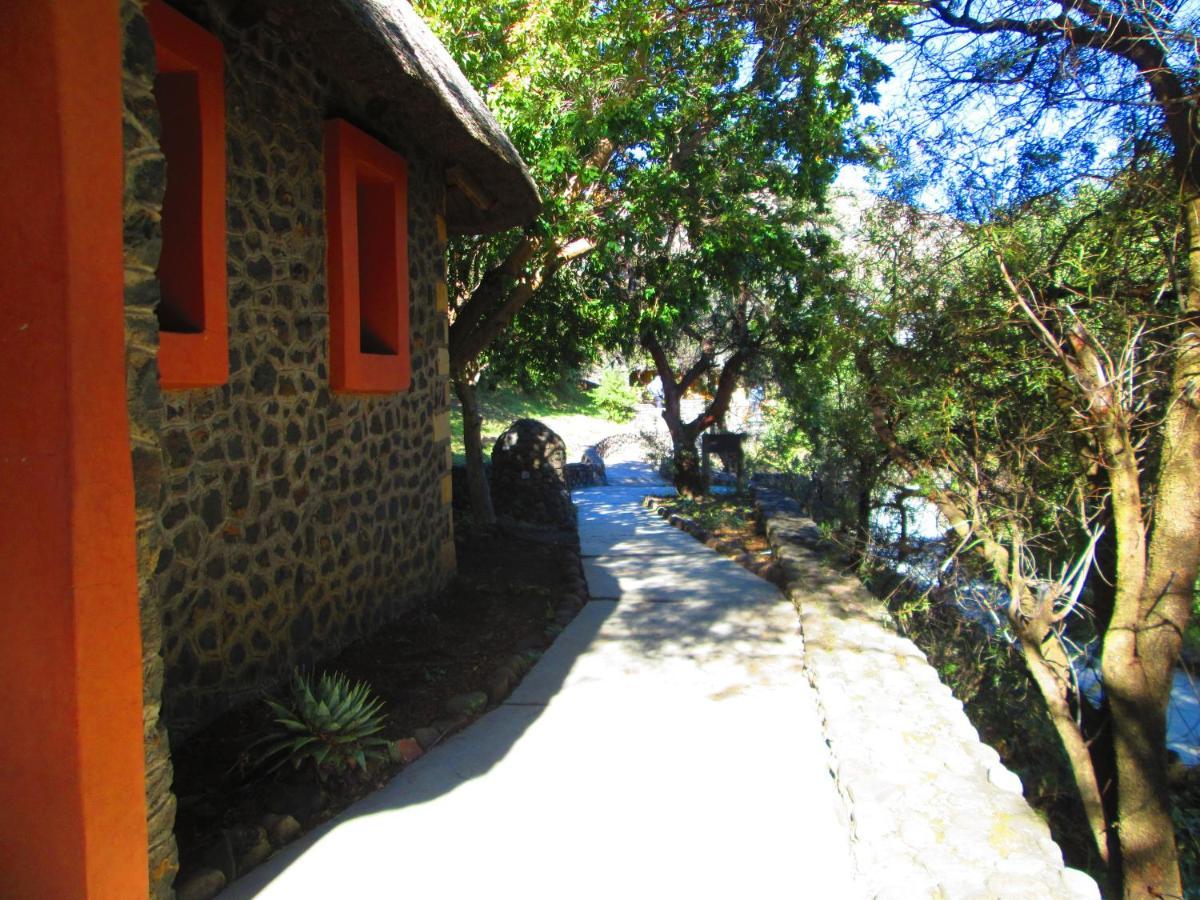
224,434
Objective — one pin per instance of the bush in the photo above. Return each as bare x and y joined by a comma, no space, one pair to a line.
614,397
331,725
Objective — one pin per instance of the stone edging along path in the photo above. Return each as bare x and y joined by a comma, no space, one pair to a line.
933,811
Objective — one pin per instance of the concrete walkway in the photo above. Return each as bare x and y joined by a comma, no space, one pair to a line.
667,745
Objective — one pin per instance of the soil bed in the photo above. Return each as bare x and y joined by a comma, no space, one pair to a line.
727,524
502,604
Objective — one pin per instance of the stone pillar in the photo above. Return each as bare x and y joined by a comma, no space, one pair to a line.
145,183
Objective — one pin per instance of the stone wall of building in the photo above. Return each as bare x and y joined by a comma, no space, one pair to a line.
279,520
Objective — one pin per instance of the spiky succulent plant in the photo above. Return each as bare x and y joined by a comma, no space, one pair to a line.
332,725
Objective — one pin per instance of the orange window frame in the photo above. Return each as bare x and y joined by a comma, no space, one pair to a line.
194,319
366,210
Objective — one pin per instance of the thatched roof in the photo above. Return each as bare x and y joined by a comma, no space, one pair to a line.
386,49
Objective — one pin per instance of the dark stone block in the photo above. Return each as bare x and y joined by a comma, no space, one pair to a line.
264,378
207,639
147,477
239,492
177,448
301,628
258,587
212,510
259,268
210,674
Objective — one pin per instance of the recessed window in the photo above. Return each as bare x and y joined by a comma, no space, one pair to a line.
367,219
377,288
190,93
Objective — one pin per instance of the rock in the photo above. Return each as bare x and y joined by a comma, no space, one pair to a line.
467,704
529,481
202,884
221,856
405,750
1080,885
450,724
427,737
258,851
499,684
281,829
1005,779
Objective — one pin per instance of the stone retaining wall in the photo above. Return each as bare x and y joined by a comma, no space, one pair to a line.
933,811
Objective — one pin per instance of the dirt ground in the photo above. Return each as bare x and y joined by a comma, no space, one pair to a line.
505,596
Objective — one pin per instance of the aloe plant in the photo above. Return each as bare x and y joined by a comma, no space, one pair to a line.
332,724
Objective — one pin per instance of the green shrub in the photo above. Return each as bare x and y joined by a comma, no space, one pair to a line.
331,725
613,396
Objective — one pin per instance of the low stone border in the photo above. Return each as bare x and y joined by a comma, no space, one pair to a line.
767,569
243,847
933,811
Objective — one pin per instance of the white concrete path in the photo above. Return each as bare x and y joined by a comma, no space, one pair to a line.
667,745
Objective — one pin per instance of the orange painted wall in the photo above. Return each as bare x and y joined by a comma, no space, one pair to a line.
192,266
358,168
71,771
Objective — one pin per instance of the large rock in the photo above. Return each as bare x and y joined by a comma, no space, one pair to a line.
529,481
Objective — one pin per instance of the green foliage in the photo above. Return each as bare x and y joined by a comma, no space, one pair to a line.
614,397
330,726
1185,812
717,512
648,124
503,403
783,446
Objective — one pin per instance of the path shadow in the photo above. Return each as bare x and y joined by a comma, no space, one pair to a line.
465,756
616,657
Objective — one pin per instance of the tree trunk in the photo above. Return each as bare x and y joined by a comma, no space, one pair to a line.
477,481
1150,866
1047,664
688,475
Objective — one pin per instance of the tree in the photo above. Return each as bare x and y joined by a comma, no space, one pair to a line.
612,103
1068,90
739,299
1003,373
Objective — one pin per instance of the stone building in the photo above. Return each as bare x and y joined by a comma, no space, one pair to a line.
224,440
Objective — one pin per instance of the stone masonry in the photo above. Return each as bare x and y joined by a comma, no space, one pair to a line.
933,811
277,520
528,475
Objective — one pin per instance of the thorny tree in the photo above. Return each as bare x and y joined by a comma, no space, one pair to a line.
1025,385
1055,87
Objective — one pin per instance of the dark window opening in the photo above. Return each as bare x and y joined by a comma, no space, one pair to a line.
180,267
378,285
